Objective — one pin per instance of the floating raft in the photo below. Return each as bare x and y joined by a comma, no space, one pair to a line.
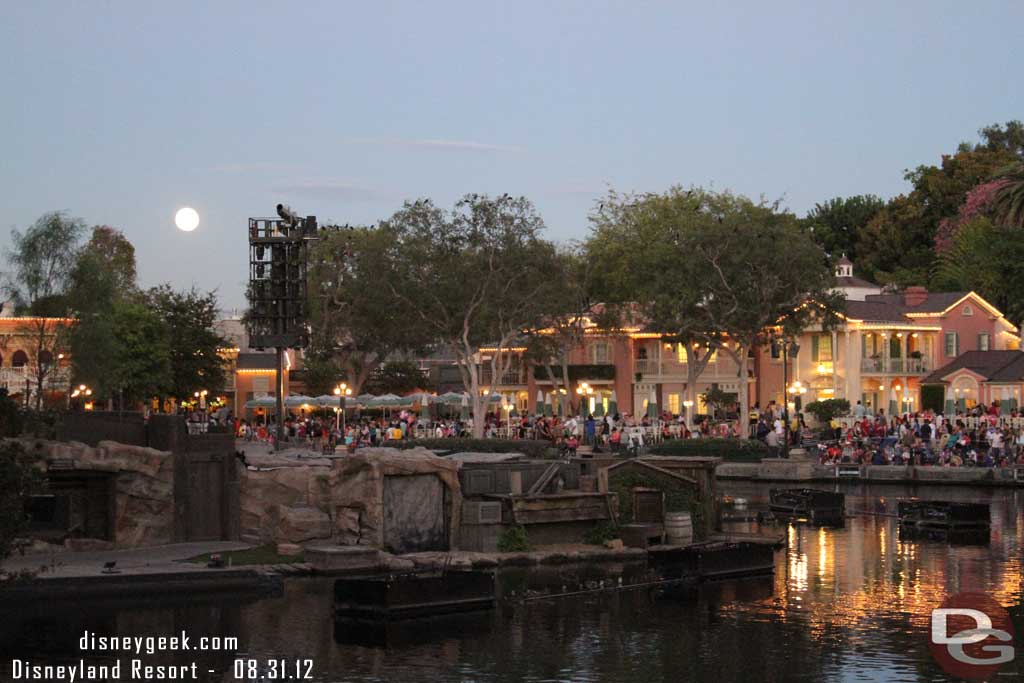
716,559
396,596
810,504
943,515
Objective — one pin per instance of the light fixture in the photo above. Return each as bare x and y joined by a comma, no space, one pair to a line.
821,368
897,387
914,335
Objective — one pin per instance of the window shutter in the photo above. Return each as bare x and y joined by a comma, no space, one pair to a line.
814,348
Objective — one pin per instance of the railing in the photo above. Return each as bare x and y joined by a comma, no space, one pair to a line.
901,366
15,378
515,377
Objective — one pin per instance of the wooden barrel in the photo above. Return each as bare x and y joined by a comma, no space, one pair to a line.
588,483
678,528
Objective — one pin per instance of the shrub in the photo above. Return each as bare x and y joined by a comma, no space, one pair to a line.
531,448
513,540
601,532
19,478
621,484
825,410
741,450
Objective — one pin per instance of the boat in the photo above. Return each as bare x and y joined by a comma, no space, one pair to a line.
413,594
943,515
810,504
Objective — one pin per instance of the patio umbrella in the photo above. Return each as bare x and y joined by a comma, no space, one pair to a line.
549,408
262,402
425,407
950,405
893,403
613,404
652,406
298,401
1004,402
329,400
539,409
465,407
599,408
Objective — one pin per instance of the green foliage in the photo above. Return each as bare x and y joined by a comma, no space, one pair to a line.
1009,199
933,397
354,323
827,409
513,540
531,448
189,317
19,478
719,400
43,257
985,258
677,499
11,419
600,533
734,450
104,271
836,223
396,377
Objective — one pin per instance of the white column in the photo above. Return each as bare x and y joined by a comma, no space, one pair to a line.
835,364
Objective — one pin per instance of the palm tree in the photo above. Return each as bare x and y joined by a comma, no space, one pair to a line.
1009,198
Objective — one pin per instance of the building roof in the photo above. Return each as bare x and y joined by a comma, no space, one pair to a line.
994,366
934,302
874,311
843,261
854,282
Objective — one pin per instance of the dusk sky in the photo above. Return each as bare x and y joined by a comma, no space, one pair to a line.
122,112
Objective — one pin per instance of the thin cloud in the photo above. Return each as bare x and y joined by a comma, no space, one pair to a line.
331,188
250,167
430,143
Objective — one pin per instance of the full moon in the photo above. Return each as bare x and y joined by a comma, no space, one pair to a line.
186,219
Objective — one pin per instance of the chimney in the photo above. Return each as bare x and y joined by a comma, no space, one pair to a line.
915,296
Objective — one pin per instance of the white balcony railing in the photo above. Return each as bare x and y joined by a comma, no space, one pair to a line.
897,366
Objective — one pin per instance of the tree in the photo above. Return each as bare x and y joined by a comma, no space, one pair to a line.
353,319
396,377
569,312
643,247
189,317
43,257
104,271
476,276
19,478
123,352
1009,198
836,224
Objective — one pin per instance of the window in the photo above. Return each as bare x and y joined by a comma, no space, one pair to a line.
984,342
680,353
776,350
821,348
600,353
20,359
673,404
952,345
968,311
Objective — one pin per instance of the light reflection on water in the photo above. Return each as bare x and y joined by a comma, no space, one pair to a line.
846,604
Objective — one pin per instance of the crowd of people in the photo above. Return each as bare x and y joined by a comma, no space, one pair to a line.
864,437
976,438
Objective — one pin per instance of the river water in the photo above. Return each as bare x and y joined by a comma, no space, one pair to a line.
846,604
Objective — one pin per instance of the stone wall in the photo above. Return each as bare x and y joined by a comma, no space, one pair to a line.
143,505
340,500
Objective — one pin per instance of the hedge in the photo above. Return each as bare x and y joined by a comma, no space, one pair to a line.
741,450
531,448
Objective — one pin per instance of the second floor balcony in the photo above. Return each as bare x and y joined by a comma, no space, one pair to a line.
512,377
895,366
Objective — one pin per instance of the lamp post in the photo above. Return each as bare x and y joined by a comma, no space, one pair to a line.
342,391
82,390
585,391
788,348
688,404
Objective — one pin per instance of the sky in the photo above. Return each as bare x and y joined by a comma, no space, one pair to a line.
122,112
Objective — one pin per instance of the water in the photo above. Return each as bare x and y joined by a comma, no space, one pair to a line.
849,604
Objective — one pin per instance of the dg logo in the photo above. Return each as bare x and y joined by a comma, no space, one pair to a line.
971,636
